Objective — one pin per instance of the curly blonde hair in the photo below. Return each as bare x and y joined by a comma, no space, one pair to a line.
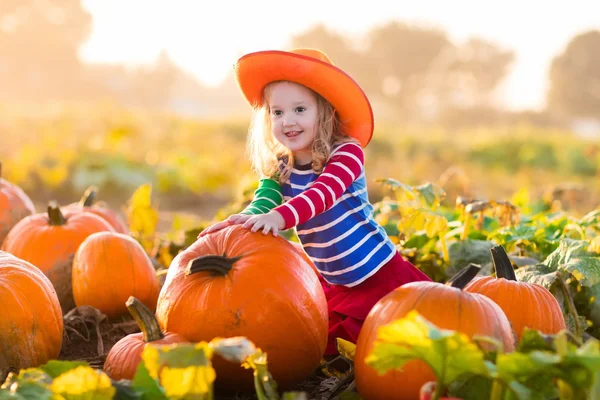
266,153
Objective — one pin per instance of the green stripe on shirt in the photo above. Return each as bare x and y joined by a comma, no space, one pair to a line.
267,196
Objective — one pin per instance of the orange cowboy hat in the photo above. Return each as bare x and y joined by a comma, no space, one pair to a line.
311,68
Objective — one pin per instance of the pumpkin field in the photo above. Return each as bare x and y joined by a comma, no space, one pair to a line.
106,292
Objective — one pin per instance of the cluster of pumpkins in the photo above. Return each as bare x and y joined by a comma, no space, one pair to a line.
229,283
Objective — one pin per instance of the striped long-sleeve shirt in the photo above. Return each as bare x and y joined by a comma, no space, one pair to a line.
334,218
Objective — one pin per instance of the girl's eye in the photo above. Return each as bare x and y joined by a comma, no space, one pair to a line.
277,112
300,109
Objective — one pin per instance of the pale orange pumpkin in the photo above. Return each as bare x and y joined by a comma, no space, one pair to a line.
526,305
234,282
124,357
108,268
446,306
49,241
14,206
31,323
89,204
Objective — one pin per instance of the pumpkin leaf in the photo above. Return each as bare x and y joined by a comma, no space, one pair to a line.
144,384
264,384
346,348
451,355
532,339
431,194
586,270
235,349
55,368
125,391
83,382
465,252
401,190
183,370
421,219
30,383
142,217
473,388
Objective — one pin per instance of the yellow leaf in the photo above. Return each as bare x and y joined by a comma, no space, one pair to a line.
143,217
346,348
83,382
183,383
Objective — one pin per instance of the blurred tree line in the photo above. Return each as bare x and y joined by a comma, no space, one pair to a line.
410,72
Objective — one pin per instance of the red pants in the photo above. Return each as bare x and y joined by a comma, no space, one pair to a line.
348,306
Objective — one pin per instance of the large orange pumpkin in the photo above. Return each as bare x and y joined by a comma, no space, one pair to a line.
446,306
525,304
49,241
238,283
31,324
108,268
123,358
89,204
14,206
306,257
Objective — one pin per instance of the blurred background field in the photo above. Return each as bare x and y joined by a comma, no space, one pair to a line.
86,102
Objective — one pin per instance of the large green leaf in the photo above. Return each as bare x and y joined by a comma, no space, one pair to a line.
451,355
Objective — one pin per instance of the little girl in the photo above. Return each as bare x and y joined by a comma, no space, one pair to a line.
310,126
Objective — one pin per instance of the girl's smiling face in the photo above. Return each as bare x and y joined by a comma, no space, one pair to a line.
293,110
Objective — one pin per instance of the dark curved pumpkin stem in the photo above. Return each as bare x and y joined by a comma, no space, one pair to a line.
55,216
145,319
464,276
502,264
89,197
218,265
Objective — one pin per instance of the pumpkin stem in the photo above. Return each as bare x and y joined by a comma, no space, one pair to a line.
55,217
219,265
464,276
145,319
89,197
502,264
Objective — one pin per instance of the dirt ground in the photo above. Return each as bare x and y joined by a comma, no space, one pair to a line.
89,335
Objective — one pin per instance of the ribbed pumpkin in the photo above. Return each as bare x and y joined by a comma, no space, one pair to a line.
49,241
88,203
238,283
123,358
525,304
108,268
14,206
31,324
446,306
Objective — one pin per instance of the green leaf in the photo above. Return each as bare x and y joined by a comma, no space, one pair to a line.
532,339
431,194
467,252
125,390
183,370
567,250
586,270
451,355
56,368
474,388
144,384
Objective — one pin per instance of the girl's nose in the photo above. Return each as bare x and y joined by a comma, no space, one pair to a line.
289,121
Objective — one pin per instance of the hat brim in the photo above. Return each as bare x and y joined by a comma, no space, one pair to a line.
255,70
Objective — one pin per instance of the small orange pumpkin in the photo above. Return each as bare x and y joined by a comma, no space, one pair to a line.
108,268
526,305
14,206
123,358
31,323
49,241
446,306
88,204
234,282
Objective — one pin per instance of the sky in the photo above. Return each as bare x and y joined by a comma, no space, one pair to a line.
206,38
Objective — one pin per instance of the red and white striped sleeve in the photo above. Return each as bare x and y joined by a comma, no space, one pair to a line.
344,166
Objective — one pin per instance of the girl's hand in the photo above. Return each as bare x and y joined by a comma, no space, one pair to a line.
232,220
270,222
